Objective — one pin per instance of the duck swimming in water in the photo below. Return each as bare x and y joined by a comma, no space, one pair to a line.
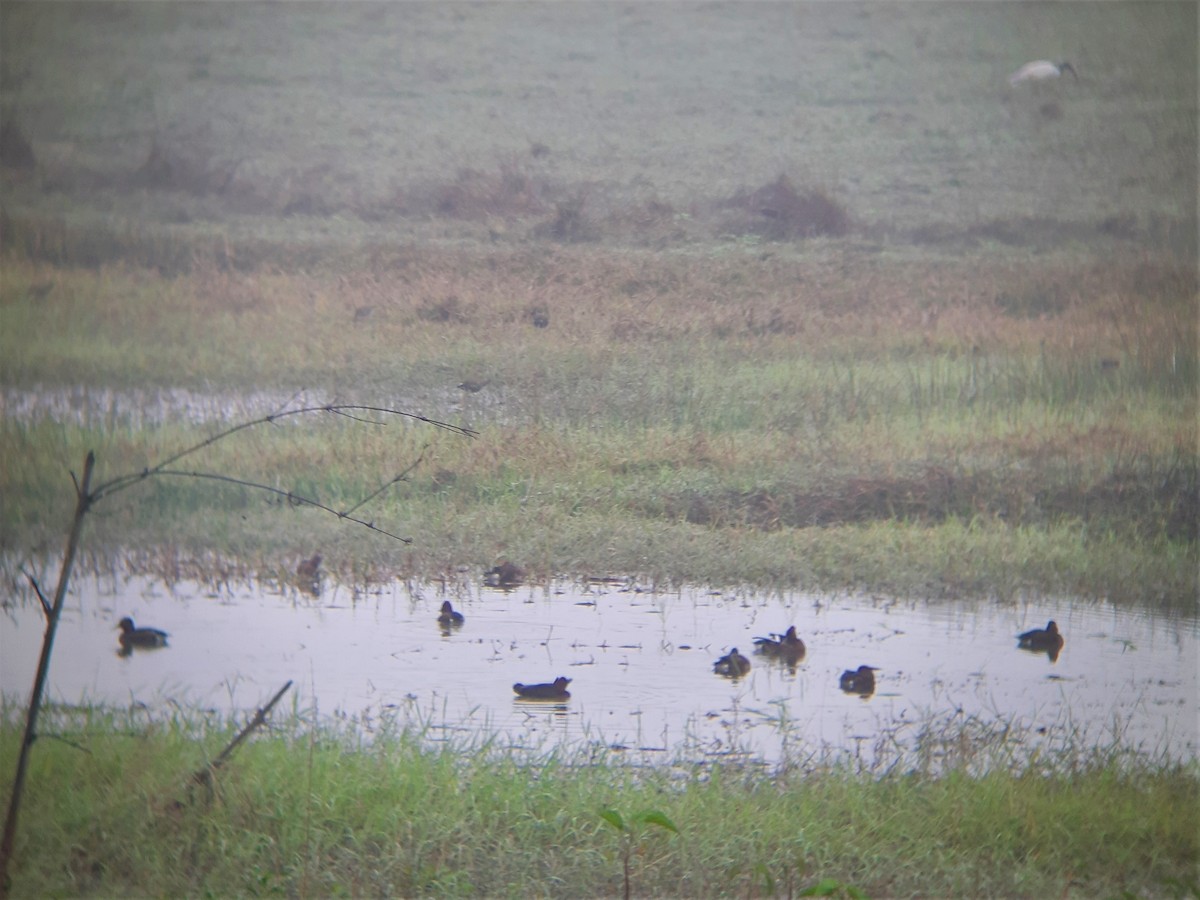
449,616
145,638
556,690
1042,640
786,646
859,681
732,665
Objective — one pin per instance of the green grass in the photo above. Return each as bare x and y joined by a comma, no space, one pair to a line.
318,812
981,382
682,419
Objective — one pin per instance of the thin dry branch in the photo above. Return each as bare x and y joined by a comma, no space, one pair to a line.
123,481
37,589
293,499
85,501
204,775
383,487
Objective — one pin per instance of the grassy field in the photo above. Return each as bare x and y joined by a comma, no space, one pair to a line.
786,295
159,133
112,812
822,300
684,418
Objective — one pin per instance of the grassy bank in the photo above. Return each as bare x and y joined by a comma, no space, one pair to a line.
982,425
318,813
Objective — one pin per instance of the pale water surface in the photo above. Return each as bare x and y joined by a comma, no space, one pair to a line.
641,665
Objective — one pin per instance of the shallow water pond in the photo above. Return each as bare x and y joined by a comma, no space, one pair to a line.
640,664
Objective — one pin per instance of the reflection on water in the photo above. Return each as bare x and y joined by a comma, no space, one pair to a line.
640,666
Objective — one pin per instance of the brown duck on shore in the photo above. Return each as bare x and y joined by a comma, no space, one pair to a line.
859,681
732,665
450,617
309,569
504,575
556,690
787,646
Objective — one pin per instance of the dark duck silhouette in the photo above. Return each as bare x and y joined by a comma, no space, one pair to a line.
859,681
308,575
449,617
309,569
556,690
787,646
732,665
142,638
504,575
1042,640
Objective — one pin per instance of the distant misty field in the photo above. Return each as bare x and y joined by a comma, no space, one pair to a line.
642,123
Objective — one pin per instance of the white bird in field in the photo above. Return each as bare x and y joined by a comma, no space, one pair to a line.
1040,70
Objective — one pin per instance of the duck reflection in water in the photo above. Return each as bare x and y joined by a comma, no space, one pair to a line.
732,665
555,690
859,681
449,617
1042,640
132,637
786,647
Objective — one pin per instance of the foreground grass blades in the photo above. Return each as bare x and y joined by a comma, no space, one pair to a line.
320,812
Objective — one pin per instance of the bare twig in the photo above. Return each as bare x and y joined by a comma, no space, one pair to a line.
86,498
70,743
37,589
292,498
367,499
123,481
204,776
83,502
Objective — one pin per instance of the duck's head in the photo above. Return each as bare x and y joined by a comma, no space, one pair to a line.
126,625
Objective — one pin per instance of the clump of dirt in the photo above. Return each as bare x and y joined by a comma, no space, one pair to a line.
779,211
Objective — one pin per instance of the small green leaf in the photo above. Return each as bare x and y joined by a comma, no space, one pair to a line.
613,818
654,817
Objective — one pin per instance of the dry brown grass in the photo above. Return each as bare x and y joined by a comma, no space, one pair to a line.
1098,309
